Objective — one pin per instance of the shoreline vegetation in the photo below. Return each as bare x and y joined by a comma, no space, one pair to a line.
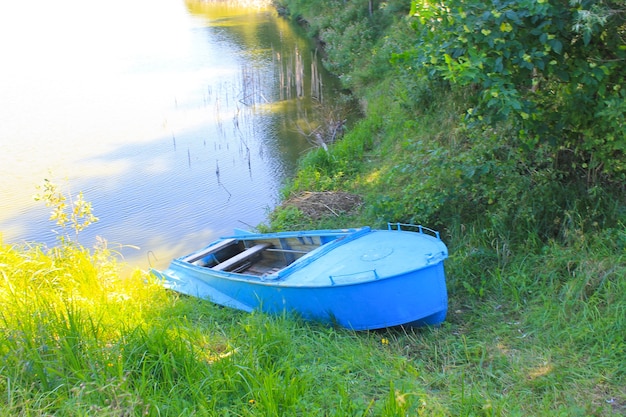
536,232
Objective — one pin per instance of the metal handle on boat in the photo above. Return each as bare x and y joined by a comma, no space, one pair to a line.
334,278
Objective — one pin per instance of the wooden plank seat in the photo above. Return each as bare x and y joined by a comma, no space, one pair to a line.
195,257
241,257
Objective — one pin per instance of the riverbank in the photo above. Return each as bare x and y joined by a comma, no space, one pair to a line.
80,339
537,238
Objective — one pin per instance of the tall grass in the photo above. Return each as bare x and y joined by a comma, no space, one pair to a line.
542,336
78,339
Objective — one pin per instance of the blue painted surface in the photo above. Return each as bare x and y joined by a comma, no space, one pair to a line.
361,279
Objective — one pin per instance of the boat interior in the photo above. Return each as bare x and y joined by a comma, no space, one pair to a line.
259,257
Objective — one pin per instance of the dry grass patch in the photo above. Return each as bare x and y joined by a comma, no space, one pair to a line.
317,205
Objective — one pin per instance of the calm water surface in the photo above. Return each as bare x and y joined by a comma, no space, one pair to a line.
175,118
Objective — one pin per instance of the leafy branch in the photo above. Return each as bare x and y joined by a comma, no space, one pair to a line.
552,69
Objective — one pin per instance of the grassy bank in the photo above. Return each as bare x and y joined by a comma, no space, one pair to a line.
543,336
536,233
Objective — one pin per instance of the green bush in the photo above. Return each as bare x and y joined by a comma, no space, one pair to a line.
554,69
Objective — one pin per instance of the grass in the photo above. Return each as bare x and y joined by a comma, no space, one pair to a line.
544,336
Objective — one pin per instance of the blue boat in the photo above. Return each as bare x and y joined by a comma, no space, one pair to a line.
361,278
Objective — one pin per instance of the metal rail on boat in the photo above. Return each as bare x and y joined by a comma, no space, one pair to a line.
411,227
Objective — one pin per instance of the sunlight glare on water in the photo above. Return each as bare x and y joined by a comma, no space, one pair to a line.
140,104
69,89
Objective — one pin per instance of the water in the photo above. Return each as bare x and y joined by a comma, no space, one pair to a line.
173,118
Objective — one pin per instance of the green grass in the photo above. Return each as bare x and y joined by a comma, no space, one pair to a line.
542,336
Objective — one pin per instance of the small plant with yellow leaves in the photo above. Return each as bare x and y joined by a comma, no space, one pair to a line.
76,216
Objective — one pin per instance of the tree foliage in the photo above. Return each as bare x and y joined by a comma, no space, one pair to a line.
555,69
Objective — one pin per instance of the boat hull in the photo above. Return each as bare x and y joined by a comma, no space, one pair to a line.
364,301
416,298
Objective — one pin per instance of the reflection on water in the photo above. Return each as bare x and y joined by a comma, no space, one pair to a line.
175,119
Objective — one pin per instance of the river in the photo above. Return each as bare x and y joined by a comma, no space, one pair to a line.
176,119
